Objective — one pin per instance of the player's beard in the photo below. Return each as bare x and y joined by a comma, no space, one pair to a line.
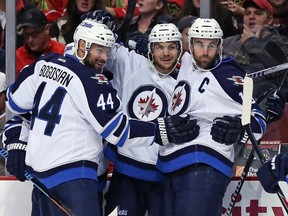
206,63
87,61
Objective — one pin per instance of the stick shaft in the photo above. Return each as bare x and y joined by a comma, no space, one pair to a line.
42,188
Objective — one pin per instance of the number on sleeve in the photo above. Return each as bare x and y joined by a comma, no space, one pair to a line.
101,101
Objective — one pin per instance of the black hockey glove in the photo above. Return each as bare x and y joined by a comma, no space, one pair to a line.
101,16
273,171
227,130
16,160
275,105
139,44
176,129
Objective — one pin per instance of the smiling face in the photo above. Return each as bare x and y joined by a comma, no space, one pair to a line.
165,56
97,56
256,18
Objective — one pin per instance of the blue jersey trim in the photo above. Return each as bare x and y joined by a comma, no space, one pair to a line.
110,154
138,173
130,168
14,105
123,137
67,175
192,158
111,127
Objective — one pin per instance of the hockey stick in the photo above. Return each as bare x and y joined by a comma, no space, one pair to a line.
269,72
128,18
42,188
280,56
246,120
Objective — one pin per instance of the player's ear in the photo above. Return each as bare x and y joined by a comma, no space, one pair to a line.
81,48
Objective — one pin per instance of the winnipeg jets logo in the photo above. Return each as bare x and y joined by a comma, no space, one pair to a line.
238,80
177,98
147,103
101,78
180,98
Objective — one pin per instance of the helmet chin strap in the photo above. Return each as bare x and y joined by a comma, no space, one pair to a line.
87,47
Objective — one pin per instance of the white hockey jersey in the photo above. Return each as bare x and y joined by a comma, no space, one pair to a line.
73,109
145,95
204,96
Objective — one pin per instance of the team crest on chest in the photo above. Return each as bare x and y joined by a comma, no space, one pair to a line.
101,78
147,103
180,98
237,80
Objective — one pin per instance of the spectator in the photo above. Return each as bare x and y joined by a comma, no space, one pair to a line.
118,9
218,12
184,25
280,13
151,12
53,9
35,30
248,48
73,108
199,171
145,87
62,30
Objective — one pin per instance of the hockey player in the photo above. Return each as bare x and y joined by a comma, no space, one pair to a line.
73,109
209,89
145,87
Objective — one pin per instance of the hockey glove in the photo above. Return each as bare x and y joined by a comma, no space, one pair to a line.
16,160
273,171
227,130
101,16
139,44
275,105
176,129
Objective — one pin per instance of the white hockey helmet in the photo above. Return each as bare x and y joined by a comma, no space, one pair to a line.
93,32
206,29
163,33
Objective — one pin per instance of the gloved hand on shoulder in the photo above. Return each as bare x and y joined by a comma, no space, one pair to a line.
176,129
102,16
227,130
273,171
